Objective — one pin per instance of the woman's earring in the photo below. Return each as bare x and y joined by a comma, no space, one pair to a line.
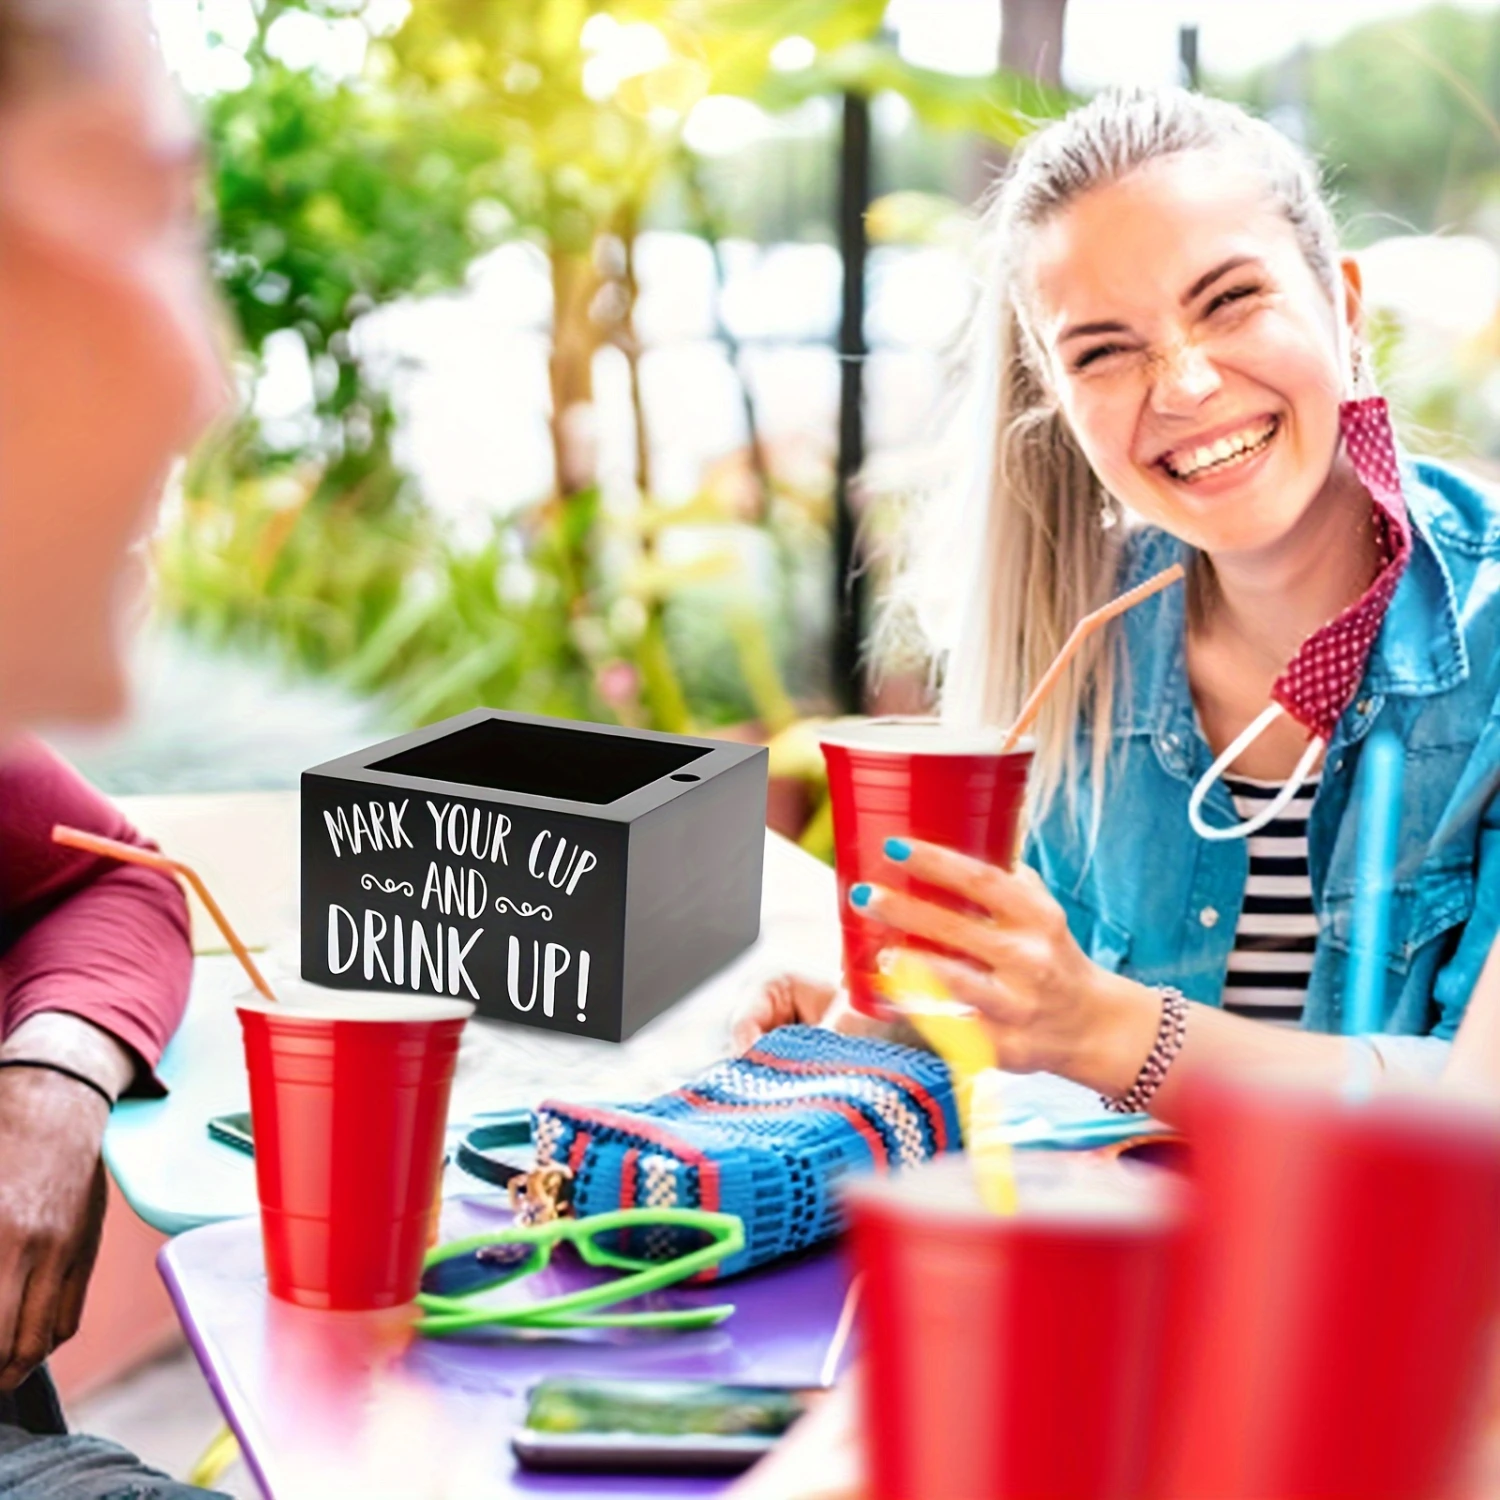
1362,373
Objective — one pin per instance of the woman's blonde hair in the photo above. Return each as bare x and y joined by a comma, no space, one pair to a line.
1024,540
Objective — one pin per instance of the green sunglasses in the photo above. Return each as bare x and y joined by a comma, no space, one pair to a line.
485,1262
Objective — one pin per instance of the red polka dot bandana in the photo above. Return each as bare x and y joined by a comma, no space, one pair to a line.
1324,675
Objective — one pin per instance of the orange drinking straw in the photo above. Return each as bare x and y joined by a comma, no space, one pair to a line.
1081,632
93,843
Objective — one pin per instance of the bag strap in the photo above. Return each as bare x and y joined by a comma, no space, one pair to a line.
508,1130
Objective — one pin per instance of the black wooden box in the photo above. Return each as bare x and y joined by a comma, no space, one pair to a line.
576,877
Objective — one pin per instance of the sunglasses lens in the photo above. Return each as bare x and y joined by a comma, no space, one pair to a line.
481,1268
653,1241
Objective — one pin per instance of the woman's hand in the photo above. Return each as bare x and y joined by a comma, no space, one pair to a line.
791,1000
1049,1007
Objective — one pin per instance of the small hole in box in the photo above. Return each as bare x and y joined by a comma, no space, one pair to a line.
685,776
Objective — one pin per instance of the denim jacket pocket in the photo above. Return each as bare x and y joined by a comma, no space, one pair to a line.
1420,913
1107,943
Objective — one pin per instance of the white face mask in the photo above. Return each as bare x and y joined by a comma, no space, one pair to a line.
1320,680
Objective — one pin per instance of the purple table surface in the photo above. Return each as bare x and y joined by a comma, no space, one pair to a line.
331,1404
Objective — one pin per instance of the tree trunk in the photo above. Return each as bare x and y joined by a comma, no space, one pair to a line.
1031,39
847,664
575,281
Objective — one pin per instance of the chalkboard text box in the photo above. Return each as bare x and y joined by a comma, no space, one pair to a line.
575,877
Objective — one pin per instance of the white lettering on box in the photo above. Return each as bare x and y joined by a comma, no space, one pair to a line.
513,972
338,828
372,944
456,957
433,957
337,964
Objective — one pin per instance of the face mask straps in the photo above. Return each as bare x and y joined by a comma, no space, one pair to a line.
1232,753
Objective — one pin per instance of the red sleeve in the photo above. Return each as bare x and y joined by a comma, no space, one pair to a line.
79,933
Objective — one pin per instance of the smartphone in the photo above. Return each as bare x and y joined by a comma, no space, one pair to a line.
233,1130
653,1426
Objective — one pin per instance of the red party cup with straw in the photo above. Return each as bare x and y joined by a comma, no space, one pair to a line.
913,778
1014,1357
349,1101
963,788
349,1098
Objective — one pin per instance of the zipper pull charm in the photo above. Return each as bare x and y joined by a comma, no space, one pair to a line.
542,1195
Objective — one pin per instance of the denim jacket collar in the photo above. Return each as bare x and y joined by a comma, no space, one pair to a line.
1418,653
1420,649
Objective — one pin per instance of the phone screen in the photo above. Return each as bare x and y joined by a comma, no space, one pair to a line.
653,1426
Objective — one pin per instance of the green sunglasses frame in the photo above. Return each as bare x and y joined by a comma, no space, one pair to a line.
445,1315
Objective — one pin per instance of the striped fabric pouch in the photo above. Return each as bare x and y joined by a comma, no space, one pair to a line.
767,1136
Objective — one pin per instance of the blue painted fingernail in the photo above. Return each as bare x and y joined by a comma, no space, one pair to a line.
859,895
897,849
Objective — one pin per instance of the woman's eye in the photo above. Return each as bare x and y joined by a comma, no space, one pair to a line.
1094,355
1228,297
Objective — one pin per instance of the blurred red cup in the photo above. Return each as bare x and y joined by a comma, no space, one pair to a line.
914,779
349,1101
1012,1358
1338,1298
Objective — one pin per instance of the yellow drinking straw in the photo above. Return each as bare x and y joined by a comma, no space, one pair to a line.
958,1036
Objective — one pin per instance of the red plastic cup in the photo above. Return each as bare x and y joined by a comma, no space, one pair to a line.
1341,1290
913,778
1012,1358
349,1100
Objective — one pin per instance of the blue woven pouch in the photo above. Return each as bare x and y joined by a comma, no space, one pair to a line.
766,1136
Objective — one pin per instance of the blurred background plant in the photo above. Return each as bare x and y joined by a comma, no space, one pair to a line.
556,126
567,327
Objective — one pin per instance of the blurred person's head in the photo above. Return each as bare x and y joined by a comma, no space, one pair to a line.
1163,335
109,363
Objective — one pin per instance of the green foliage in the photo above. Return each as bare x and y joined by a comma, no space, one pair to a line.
381,599
328,202
329,196
478,120
512,75
1407,109
999,107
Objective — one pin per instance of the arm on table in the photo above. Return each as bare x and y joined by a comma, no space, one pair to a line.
94,978
104,942
794,1000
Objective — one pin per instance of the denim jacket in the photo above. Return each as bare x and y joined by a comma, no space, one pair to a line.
1149,898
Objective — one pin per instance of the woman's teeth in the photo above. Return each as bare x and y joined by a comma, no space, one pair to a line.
1212,457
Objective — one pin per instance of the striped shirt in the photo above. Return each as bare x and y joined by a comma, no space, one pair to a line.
1278,928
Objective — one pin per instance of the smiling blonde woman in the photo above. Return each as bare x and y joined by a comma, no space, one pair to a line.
1166,366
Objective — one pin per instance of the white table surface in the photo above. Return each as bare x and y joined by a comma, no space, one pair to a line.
176,1177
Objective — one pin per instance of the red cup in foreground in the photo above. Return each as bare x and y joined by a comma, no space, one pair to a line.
349,1100
1012,1358
913,778
1339,1298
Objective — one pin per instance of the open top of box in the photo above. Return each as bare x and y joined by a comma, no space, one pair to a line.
604,769
543,760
